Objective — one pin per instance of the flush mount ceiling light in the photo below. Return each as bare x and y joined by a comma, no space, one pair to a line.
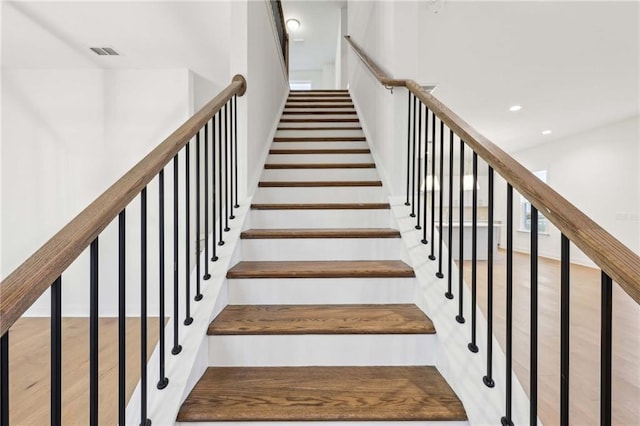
546,132
515,108
293,24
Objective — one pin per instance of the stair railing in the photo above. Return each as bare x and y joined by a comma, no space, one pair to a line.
616,261
212,132
281,29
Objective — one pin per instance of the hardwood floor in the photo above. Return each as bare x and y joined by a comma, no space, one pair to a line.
584,378
29,379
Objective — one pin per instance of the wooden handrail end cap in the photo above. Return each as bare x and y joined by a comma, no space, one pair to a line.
240,77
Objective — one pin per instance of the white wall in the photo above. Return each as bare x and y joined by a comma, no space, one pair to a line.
328,76
314,76
342,50
385,32
598,171
68,135
267,86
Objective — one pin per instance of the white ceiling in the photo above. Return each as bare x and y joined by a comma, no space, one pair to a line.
319,22
572,65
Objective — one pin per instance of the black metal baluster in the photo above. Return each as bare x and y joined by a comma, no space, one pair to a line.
220,181
449,294
214,257
56,352
143,308
506,420
473,347
187,237
564,331
122,318
419,161
439,274
533,370
432,256
163,381
235,142
424,177
93,334
226,170
605,349
460,316
231,215
198,296
177,348
206,275
413,164
488,379
406,203
4,379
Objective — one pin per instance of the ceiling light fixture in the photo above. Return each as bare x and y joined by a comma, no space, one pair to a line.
293,24
546,132
515,108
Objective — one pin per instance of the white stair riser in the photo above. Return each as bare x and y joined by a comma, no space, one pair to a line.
321,124
318,158
320,218
320,145
326,350
364,194
319,174
320,133
321,116
305,291
321,249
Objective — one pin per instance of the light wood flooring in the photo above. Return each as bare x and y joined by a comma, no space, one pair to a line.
584,378
29,357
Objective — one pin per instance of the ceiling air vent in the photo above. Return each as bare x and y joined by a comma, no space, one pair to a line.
104,51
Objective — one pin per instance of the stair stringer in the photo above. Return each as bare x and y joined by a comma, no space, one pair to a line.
461,368
185,369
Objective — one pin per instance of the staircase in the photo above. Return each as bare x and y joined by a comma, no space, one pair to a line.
321,323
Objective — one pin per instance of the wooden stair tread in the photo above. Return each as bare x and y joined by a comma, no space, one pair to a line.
320,166
319,112
311,105
321,151
320,139
322,206
318,184
272,233
320,319
300,99
321,269
322,393
320,128
319,120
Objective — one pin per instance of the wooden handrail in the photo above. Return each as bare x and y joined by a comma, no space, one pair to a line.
29,281
613,257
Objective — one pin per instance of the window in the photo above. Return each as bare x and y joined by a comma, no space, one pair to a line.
525,210
300,84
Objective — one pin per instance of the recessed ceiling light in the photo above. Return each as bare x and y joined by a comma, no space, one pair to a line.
293,24
546,132
515,108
